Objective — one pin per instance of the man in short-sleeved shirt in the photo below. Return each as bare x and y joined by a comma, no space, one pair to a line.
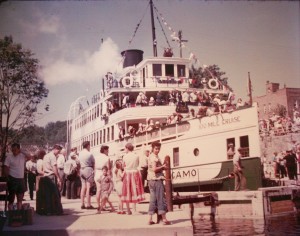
50,165
240,180
87,165
14,167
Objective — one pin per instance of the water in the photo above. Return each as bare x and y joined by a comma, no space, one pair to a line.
279,226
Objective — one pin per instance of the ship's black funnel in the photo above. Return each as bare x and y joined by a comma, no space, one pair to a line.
132,57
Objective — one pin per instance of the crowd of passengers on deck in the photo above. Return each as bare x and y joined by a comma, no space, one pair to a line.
204,103
212,103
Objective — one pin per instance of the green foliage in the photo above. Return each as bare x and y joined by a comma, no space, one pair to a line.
21,89
280,110
56,132
53,133
198,75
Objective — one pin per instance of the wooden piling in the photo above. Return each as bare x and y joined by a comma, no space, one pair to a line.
168,184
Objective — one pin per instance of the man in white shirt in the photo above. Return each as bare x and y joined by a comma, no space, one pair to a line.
14,168
87,165
50,165
240,180
143,167
31,168
48,197
61,159
39,167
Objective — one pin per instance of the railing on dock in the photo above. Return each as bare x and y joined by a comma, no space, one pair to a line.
209,199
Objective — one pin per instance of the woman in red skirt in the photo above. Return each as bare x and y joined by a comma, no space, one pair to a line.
133,190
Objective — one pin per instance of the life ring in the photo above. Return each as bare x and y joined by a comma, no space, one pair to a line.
213,83
101,94
127,82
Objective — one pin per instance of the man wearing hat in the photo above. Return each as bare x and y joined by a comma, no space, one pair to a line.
32,173
291,164
48,197
50,165
240,180
71,169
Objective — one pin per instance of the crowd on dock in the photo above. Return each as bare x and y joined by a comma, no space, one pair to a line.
83,175
283,164
280,125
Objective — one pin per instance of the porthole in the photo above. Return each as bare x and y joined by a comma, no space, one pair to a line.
196,152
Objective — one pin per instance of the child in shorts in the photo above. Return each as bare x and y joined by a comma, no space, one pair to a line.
106,186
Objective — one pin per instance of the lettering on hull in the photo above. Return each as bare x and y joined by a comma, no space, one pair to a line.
220,122
196,173
179,174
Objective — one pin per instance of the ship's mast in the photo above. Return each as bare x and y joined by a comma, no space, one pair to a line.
154,41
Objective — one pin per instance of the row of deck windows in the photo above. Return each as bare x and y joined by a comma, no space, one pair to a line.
97,138
88,116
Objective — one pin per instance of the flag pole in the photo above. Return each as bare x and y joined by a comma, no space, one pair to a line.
249,89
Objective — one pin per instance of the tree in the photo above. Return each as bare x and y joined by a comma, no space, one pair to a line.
21,90
280,110
56,132
201,75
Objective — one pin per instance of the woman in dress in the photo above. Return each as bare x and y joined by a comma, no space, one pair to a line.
133,190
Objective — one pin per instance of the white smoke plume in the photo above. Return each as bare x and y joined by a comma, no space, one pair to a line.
89,68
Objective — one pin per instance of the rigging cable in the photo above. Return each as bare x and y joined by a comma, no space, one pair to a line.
136,29
157,17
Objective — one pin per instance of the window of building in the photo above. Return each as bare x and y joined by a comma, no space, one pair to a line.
170,70
157,71
181,70
112,133
97,138
244,144
100,136
175,157
104,136
108,135
230,144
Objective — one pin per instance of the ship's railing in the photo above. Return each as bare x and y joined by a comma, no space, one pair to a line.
167,81
159,134
157,81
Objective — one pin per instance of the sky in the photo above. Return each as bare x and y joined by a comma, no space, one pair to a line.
78,42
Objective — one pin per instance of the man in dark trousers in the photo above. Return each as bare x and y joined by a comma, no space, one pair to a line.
291,164
14,168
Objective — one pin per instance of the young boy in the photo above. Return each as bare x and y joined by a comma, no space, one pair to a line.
106,186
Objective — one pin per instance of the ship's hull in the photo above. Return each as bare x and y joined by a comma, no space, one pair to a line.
223,181
197,146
